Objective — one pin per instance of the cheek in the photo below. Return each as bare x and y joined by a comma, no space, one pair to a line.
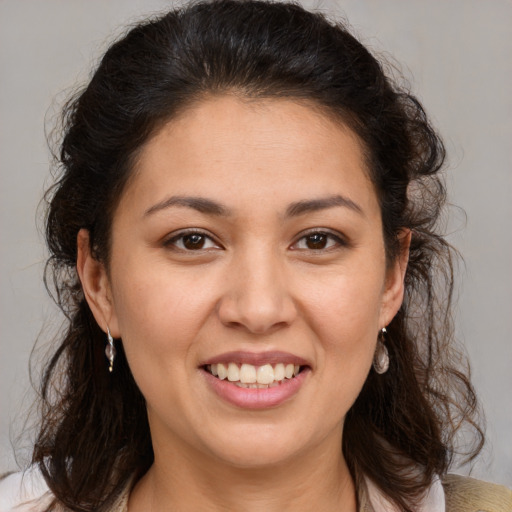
159,317
344,301
158,326
344,315
153,294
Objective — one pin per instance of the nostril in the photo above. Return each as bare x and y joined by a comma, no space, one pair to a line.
256,311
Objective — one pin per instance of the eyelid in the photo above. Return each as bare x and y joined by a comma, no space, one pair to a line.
340,239
169,240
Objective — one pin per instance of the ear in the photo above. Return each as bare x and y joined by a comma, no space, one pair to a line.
95,284
395,276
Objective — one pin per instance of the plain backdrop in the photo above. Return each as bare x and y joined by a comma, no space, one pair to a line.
457,55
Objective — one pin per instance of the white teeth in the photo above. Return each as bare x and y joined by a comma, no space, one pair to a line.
251,376
265,374
222,371
248,374
233,372
279,372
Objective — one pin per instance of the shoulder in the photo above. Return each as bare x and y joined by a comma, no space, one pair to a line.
27,491
24,491
465,494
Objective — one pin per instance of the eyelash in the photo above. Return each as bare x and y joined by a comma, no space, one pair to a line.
338,240
174,240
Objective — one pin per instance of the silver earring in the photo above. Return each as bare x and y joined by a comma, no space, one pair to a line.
381,357
110,350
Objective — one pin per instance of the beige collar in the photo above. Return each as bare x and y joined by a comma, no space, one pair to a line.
372,499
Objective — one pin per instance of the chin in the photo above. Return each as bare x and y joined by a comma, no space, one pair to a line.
249,449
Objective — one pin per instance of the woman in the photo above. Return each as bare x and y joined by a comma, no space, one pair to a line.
244,240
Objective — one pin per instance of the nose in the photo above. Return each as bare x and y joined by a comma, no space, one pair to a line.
257,297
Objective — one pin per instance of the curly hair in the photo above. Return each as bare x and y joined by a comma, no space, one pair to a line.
401,431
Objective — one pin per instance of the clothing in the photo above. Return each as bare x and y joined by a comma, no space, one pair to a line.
24,492
27,492
463,492
372,499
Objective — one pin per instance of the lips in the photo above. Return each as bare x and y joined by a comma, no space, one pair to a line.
255,381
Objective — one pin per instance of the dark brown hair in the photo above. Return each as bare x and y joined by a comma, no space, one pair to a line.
400,432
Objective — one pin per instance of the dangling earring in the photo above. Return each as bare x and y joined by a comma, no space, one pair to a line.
381,357
110,350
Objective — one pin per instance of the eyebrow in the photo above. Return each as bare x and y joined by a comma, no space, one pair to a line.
200,204
314,205
210,207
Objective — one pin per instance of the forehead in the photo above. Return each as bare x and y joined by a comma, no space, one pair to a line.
256,148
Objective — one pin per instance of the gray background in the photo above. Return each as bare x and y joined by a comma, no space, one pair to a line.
457,55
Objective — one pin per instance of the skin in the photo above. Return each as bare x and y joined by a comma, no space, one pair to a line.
257,284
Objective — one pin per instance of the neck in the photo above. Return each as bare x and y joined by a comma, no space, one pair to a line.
319,480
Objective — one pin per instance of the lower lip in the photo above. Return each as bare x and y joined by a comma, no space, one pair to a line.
254,398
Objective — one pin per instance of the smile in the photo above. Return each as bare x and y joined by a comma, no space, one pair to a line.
256,381
251,376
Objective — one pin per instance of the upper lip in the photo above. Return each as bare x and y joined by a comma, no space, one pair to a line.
256,359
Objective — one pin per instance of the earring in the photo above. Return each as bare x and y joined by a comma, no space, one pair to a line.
110,350
381,357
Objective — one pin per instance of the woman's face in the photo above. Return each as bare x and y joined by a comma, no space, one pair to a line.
249,235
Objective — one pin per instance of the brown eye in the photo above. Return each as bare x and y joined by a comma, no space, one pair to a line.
316,241
194,241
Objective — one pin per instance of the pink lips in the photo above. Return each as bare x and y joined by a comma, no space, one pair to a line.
249,398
